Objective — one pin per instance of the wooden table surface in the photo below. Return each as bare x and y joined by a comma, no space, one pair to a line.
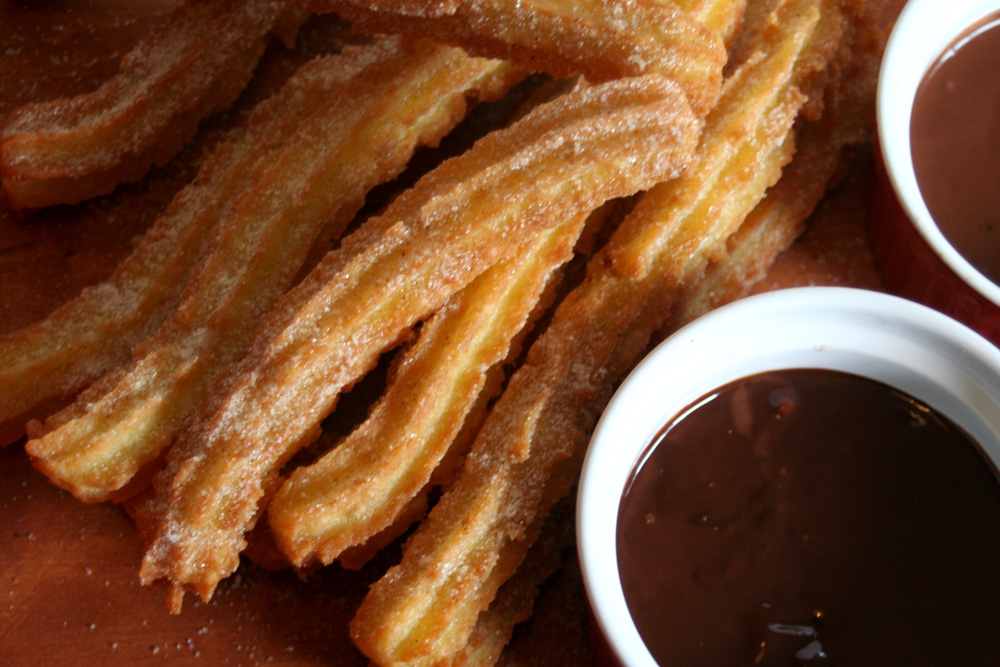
69,591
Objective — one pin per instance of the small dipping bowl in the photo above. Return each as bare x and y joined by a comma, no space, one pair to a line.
895,341
915,258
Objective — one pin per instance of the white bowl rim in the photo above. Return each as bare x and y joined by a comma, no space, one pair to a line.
831,327
923,30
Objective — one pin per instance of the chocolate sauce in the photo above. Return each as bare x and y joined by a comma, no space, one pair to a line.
812,517
955,138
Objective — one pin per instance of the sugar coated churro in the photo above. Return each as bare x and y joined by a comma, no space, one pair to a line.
403,96
602,39
424,609
822,148
66,150
516,598
669,148
95,332
361,486
567,156
371,476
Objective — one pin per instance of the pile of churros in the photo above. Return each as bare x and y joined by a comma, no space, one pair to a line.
652,159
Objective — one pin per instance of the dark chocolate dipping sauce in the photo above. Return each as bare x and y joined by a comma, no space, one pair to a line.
812,517
955,139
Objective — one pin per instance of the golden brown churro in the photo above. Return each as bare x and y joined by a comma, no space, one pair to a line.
602,39
363,485
401,96
515,599
212,372
66,150
372,476
95,332
822,148
423,610
567,156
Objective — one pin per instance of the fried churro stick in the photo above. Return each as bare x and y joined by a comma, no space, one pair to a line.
602,39
66,150
368,479
374,106
567,156
724,16
423,610
822,147
371,477
444,444
515,600
435,403
93,333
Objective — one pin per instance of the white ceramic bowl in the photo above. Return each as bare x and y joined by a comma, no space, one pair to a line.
899,342
922,265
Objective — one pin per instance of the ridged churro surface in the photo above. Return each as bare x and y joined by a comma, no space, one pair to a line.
602,39
440,370
66,150
412,96
433,240
424,609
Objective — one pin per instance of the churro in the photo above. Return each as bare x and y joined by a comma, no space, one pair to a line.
368,479
823,147
424,609
360,117
215,366
67,150
515,600
372,476
601,39
95,332
565,157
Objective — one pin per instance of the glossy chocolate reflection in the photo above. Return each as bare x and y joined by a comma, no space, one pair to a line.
810,517
955,138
